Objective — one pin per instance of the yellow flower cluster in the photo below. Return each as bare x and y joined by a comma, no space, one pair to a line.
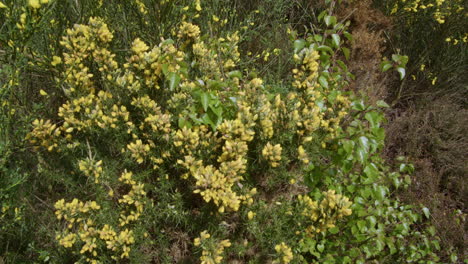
91,111
269,114
455,41
284,252
138,150
144,67
44,133
91,168
307,111
70,211
213,251
208,56
141,7
133,200
325,214
155,118
272,154
309,114
188,31
302,155
216,184
305,77
187,138
439,9
207,60
82,230
36,4
83,42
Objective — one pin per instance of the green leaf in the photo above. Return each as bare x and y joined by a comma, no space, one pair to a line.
348,146
364,142
436,244
334,230
385,66
218,111
371,171
318,38
336,40
380,192
204,100
320,247
358,105
381,103
362,225
184,123
361,155
299,44
348,35
321,15
165,68
426,212
346,52
325,49
214,85
207,120
402,72
167,42
323,82
374,119
235,74
330,20
174,80
372,221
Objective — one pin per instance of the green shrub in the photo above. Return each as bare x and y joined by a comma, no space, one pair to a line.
150,140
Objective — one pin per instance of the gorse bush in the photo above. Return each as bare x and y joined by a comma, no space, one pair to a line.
172,147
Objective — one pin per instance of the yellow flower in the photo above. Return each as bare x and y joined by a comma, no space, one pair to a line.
56,60
198,6
250,215
285,253
34,4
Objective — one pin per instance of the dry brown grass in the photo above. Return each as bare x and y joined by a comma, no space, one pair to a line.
367,26
434,137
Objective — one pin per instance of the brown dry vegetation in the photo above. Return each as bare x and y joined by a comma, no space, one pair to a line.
367,26
434,137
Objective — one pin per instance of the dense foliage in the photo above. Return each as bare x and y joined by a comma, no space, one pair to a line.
151,132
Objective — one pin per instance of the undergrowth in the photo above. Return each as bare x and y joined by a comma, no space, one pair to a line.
195,131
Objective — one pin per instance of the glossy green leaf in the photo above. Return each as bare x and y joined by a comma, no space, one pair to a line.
385,66
325,48
174,80
299,44
330,20
235,74
323,82
381,103
346,52
204,100
402,72
426,212
336,40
